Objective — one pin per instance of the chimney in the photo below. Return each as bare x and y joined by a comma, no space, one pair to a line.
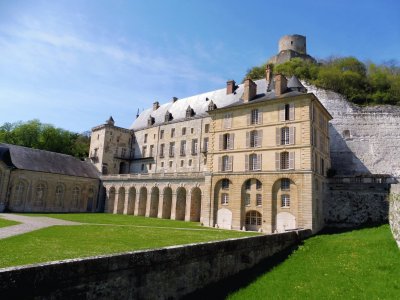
230,86
174,99
268,73
280,84
156,105
250,90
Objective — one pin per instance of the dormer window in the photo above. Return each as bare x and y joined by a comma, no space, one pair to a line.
211,105
168,117
189,112
150,121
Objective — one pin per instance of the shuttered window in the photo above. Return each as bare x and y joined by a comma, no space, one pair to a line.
227,123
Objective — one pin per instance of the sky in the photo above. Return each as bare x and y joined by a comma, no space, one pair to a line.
74,63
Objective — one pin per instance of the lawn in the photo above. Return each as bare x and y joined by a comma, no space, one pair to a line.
361,264
5,223
120,235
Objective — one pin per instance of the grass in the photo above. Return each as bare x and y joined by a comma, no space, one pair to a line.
361,264
5,223
62,242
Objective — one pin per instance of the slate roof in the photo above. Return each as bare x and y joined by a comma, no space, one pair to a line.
199,103
45,161
294,82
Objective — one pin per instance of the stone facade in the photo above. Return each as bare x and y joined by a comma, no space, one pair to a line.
256,162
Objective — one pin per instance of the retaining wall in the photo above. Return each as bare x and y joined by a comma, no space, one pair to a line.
165,273
394,212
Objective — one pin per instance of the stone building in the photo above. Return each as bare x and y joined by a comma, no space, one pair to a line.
41,181
252,156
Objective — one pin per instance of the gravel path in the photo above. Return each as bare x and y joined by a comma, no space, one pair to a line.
29,224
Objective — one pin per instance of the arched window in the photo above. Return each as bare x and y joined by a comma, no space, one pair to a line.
225,183
253,218
19,193
75,196
150,121
59,194
285,184
211,105
168,116
189,112
40,190
285,200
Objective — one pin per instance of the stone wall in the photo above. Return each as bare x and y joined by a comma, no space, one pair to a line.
353,202
394,212
166,273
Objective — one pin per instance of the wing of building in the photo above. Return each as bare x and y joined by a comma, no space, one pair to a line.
34,180
252,156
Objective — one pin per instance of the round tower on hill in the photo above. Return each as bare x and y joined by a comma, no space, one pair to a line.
293,42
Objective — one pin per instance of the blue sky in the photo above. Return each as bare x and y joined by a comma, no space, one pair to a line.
73,63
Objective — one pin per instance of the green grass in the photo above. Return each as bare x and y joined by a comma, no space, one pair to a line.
362,264
5,223
62,242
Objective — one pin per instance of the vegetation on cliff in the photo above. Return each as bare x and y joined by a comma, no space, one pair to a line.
362,83
34,134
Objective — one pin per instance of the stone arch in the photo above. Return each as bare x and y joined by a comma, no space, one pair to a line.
121,201
131,201
142,201
59,194
154,200
167,203
252,195
222,194
111,199
195,204
180,204
224,218
284,189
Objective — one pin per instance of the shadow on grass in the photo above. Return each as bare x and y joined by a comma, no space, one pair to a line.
221,289
337,230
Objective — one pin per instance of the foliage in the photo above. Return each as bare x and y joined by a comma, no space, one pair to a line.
119,233
362,264
362,83
34,134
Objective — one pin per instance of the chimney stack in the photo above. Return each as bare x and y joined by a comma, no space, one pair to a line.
250,90
268,73
230,87
280,84
174,99
156,105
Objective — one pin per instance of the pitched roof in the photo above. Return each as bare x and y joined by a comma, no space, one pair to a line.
294,82
45,161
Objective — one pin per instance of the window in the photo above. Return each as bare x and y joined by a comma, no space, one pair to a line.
142,167
205,144
183,148
150,121
123,152
225,183
247,199
322,167
183,130
40,189
284,160
285,184
226,141
253,162
224,199
286,112
226,163
253,218
151,150
145,138
144,149
170,163
191,130
150,166
190,162
189,112
247,184
182,163
254,118
258,185
227,120
161,134
171,149
162,164
195,146
254,138
206,128
285,200
162,149
75,196
167,117
285,136
59,194
258,200
172,132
